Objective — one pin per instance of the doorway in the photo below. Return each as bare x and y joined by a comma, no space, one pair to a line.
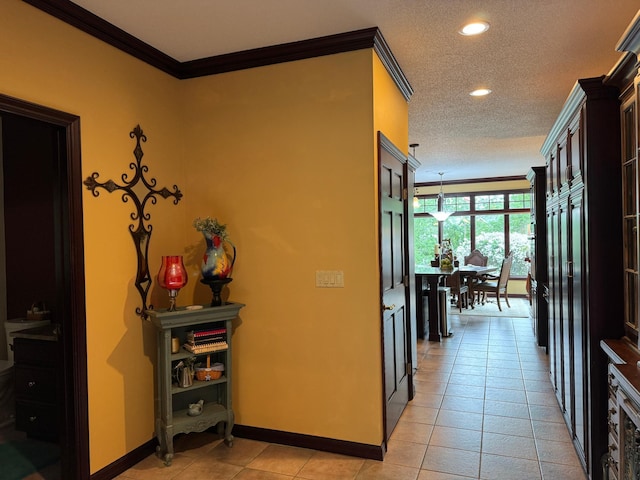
44,261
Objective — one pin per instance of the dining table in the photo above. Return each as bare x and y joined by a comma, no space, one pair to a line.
470,275
428,280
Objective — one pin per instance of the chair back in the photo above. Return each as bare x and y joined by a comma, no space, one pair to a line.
476,258
453,281
505,271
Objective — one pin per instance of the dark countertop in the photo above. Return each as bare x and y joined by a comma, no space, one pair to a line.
45,332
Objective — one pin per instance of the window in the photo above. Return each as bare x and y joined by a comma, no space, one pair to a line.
495,223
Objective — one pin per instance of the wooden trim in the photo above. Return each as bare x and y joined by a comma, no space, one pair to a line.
472,180
386,56
322,444
126,462
74,441
95,26
361,450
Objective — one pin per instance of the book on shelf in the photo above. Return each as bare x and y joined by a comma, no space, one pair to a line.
206,347
206,341
201,337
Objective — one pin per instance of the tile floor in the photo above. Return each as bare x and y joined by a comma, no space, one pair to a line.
483,409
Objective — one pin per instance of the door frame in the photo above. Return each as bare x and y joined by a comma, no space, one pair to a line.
74,438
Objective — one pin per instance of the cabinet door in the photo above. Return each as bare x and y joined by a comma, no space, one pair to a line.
574,142
564,308
551,176
630,215
580,359
555,350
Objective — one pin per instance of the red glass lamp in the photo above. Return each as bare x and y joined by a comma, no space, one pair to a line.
172,276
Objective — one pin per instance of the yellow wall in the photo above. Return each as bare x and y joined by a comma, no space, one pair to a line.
283,155
292,171
50,63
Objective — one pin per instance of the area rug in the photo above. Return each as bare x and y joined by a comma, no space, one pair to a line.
21,458
519,309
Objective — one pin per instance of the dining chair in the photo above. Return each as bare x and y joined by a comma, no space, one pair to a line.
499,285
476,258
458,288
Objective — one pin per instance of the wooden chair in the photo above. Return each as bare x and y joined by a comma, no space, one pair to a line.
476,258
498,286
459,289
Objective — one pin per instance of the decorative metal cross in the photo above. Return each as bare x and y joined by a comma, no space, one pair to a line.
140,232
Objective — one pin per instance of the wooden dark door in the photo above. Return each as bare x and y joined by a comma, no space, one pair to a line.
394,282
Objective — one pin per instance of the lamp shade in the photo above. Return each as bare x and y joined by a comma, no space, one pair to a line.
172,274
440,215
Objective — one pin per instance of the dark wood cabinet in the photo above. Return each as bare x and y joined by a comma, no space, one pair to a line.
36,391
584,259
538,255
622,458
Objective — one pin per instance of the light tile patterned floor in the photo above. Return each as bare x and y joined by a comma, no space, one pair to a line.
484,409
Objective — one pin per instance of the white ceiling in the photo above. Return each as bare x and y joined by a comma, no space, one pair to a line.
531,57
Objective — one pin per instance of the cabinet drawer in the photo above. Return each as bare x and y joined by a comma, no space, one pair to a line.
35,383
34,352
37,420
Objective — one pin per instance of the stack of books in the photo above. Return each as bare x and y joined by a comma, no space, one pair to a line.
206,341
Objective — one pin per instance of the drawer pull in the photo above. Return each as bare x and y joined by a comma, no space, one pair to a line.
33,418
31,384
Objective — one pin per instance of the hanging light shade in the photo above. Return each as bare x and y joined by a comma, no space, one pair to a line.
440,215
416,200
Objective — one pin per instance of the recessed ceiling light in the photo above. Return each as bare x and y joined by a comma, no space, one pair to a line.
481,92
474,28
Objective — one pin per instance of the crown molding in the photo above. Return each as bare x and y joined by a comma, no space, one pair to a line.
95,26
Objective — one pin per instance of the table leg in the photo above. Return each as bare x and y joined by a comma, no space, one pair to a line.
420,314
434,309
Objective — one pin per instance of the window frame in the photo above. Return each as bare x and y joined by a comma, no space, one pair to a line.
473,212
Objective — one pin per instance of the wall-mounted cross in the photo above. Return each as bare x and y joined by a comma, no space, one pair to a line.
140,232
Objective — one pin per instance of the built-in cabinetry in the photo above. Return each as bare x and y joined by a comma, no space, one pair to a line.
173,413
627,79
538,255
622,458
584,258
36,382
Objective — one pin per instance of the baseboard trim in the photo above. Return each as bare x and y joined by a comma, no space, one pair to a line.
354,449
126,462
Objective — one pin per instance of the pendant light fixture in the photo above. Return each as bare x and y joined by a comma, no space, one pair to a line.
440,215
416,200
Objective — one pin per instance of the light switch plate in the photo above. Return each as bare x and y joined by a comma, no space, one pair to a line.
329,279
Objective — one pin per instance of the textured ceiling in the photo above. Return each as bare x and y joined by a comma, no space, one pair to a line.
531,57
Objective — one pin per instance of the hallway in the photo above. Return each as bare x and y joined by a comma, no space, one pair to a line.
484,409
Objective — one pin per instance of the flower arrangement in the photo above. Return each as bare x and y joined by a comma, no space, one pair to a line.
211,227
